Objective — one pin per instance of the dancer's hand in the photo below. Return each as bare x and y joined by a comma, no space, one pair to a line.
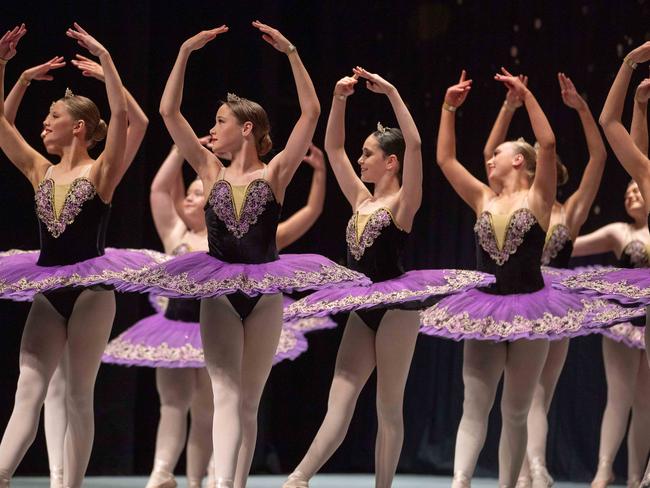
202,38
205,141
9,41
640,54
41,72
274,37
88,67
643,91
513,100
374,82
345,86
570,95
86,40
456,94
512,82
315,158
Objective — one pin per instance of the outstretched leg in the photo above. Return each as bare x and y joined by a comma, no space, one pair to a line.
55,420
199,442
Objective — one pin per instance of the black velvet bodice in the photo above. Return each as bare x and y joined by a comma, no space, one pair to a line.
558,247
516,266
183,309
248,237
634,255
79,232
377,252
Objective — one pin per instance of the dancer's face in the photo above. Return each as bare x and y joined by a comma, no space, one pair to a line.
373,160
58,128
634,203
502,162
194,199
226,135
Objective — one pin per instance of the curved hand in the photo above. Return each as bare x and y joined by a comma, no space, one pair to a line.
512,98
456,94
88,67
202,38
640,54
9,41
273,36
41,71
315,158
345,86
643,91
514,83
86,40
374,82
570,95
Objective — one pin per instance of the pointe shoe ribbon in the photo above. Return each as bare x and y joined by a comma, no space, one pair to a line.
296,480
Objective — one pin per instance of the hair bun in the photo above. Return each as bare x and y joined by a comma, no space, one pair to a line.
265,145
100,131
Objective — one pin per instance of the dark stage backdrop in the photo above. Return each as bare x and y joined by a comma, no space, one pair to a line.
420,46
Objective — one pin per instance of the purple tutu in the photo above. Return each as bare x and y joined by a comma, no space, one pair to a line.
413,287
199,275
627,333
21,278
630,286
544,314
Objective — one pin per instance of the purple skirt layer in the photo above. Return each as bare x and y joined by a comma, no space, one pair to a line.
307,324
628,286
21,278
544,314
629,334
159,342
199,275
413,286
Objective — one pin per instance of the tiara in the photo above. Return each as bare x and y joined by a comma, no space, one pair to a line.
231,97
68,93
381,129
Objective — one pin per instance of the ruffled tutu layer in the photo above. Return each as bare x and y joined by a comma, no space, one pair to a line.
199,275
630,334
159,342
21,278
628,286
545,314
412,290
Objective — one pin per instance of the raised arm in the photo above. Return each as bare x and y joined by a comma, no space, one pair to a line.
351,185
578,205
111,164
137,119
21,154
499,131
40,72
639,126
469,188
544,187
629,155
289,158
165,197
411,191
300,222
200,158
600,241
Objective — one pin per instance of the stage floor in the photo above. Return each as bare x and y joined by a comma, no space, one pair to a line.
322,481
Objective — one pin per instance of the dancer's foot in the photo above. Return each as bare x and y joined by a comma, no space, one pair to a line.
195,483
461,480
224,483
523,482
56,477
296,480
604,475
540,477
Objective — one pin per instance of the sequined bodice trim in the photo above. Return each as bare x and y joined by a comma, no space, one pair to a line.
520,222
359,240
258,193
81,190
557,238
637,252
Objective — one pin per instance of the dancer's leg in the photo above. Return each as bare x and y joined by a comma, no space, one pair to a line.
55,421
89,327
638,437
355,362
262,330
394,344
199,442
175,389
41,349
524,364
483,364
621,369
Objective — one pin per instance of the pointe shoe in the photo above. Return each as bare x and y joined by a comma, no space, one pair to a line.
196,483
461,480
56,477
296,480
605,465
633,483
223,483
162,480
539,475
4,483
523,482
645,482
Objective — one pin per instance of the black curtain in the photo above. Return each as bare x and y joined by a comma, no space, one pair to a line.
420,46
